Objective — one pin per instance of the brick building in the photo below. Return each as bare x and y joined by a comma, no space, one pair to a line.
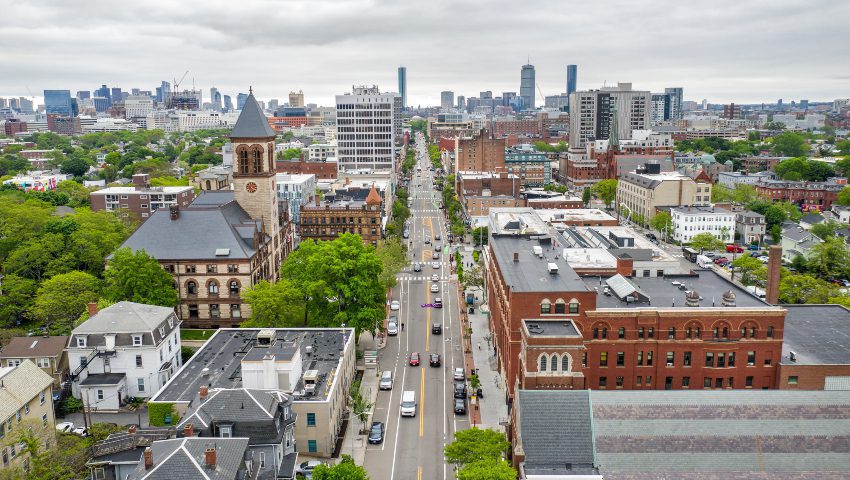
481,153
530,127
327,219
12,126
817,196
281,124
141,200
64,125
325,170
555,329
480,191
815,355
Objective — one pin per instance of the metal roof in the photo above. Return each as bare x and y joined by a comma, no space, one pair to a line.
252,123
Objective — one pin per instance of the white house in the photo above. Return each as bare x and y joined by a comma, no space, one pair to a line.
125,350
691,221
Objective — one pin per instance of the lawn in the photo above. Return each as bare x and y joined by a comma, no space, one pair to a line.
195,334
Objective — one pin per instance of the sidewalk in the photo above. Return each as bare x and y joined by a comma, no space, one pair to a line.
492,411
354,443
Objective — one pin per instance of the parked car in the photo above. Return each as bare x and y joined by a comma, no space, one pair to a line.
435,255
306,468
460,390
460,406
435,265
434,360
427,240
721,261
459,374
65,427
386,380
81,431
392,328
394,305
376,433
414,359
732,248
437,328
438,302
406,234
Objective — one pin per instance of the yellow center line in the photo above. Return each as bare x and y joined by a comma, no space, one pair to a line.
422,406
419,473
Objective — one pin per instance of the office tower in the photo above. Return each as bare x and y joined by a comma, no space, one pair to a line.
135,92
273,104
804,104
447,99
402,86
659,109
104,92
228,103
117,95
59,102
215,99
592,114
572,78
296,99
676,99
732,112
163,91
25,105
241,98
83,95
101,104
366,149
508,98
461,102
488,94
526,86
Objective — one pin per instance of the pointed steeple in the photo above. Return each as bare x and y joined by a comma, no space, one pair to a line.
374,198
252,123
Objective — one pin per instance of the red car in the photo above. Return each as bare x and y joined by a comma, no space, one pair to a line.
731,248
414,359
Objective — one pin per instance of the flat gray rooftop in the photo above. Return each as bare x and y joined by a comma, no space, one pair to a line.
817,334
223,353
664,294
530,273
547,327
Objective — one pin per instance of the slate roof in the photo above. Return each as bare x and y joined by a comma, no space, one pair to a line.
30,347
198,232
555,428
183,458
125,317
252,413
252,122
21,384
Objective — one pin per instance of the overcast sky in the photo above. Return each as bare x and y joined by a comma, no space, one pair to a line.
722,50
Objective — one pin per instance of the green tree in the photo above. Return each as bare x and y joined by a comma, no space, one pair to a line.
18,294
37,258
138,277
361,407
289,154
473,277
721,193
585,197
605,190
476,445
480,235
800,288
706,242
489,469
78,194
774,215
277,305
844,196
790,144
662,222
62,299
346,469
751,269
826,229
829,258
394,259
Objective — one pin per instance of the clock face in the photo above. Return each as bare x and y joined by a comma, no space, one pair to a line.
251,187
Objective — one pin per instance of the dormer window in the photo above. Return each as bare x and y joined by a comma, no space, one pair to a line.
137,340
81,342
225,431
170,322
162,332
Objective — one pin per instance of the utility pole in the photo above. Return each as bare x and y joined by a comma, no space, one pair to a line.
85,408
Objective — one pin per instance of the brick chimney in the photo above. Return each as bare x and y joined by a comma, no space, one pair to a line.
774,263
174,210
209,457
148,458
92,307
516,256
188,430
204,392
625,266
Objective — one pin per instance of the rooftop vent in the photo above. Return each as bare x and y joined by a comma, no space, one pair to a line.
265,337
310,378
692,299
729,299
538,250
553,268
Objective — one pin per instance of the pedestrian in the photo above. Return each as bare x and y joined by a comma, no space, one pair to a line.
479,345
402,326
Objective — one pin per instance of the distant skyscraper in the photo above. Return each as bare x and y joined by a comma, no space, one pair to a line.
402,86
447,99
360,150
59,102
461,102
676,99
572,78
296,99
163,91
273,104
83,95
104,92
606,113
659,109
228,103
101,104
25,105
241,98
117,95
215,99
526,86
508,98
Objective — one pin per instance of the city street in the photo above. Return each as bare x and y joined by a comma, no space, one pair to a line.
413,446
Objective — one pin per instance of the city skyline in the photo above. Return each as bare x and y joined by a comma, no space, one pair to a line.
148,44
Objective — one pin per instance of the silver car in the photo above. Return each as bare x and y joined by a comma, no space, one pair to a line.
435,265
459,375
435,288
386,380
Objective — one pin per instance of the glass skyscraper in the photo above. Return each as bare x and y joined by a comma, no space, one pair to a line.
402,86
572,72
60,103
526,86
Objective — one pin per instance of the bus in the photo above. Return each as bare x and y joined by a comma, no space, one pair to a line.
690,253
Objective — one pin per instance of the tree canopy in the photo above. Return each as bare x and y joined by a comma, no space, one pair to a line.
605,190
346,469
138,277
800,168
706,242
477,453
63,298
790,144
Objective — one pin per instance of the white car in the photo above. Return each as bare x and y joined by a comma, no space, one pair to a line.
435,265
306,468
459,375
65,427
435,288
435,278
394,305
81,431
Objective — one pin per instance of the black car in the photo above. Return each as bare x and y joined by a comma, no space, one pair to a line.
460,390
460,406
376,434
434,361
437,328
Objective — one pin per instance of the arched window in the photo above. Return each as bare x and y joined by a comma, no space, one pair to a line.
543,360
243,160
725,332
234,287
573,306
191,287
212,287
209,185
595,332
560,306
545,307
565,363
605,332
553,361
256,160
671,333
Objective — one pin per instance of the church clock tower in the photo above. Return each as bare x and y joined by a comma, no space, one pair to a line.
253,167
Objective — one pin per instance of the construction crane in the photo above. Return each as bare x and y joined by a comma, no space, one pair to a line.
177,83
540,92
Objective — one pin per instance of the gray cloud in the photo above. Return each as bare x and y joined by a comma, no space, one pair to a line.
722,50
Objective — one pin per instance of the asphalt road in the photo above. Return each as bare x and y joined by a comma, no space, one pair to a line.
413,446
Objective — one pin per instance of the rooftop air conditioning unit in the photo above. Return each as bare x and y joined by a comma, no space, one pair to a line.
553,268
538,250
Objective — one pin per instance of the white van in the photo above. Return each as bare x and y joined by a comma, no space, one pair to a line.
408,403
704,262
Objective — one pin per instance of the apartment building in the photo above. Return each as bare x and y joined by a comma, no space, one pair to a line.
610,112
327,219
691,221
750,227
640,193
480,153
25,402
141,200
365,123
47,353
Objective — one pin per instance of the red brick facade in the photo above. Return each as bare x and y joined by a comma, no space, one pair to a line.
814,195
481,153
322,170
